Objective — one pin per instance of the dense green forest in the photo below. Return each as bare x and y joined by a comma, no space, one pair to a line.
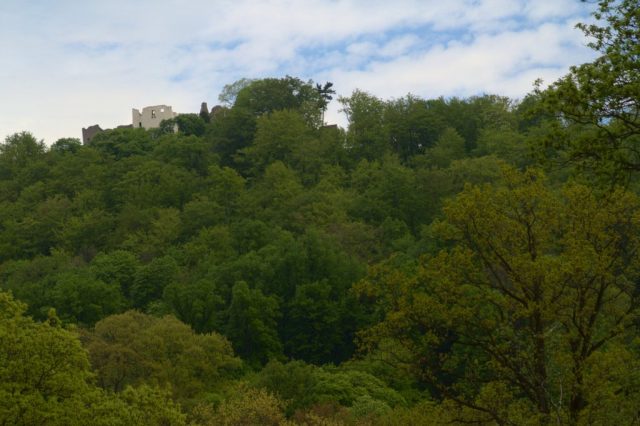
440,261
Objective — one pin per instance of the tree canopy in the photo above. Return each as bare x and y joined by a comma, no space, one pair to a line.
439,261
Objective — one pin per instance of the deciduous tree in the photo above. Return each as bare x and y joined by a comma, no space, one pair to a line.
537,286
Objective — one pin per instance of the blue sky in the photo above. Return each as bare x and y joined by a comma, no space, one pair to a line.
70,64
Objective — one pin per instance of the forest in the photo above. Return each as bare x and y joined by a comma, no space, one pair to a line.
440,261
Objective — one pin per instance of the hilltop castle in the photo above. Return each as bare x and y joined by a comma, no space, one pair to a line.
149,118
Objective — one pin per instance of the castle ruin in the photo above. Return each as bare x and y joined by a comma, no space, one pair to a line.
151,116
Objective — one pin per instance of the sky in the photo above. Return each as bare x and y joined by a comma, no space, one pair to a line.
68,64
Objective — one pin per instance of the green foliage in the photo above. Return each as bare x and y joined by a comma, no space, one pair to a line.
303,386
144,405
490,295
448,147
199,304
230,91
507,144
21,164
252,325
77,294
365,115
151,279
314,323
276,138
246,406
385,189
226,187
278,194
66,145
153,183
122,143
232,131
512,315
190,153
82,299
293,382
325,91
44,372
117,267
18,152
288,93
597,102
134,349
190,124
45,379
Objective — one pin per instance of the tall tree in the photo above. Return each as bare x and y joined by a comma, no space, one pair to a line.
514,319
134,348
598,103
325,91
45,379
252,325
365,114
230,91
274,94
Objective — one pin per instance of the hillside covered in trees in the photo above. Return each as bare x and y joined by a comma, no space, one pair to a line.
440,261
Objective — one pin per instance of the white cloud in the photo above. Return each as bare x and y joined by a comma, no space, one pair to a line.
548,9
498,63
71,64
399,45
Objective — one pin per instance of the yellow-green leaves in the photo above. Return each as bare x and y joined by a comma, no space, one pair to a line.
134,349
536,283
